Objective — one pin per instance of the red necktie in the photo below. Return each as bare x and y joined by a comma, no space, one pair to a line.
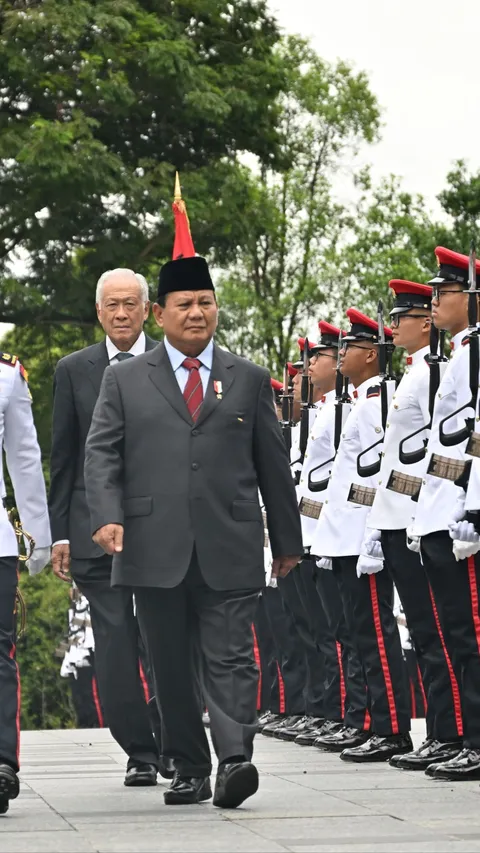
193,393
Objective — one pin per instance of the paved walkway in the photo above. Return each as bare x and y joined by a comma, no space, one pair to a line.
73,799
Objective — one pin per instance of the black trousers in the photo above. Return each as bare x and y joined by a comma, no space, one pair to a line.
268,694
355,699
444,712
314,663
9,676
291,669
369,602
333,679
85,698
116,633
456,588
198,634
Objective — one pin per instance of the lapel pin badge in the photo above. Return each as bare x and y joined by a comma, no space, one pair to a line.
217,387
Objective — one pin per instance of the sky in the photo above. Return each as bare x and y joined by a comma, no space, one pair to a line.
422,61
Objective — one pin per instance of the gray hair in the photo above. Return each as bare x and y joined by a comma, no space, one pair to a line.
141,280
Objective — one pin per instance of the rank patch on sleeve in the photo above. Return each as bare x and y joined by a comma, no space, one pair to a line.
6,358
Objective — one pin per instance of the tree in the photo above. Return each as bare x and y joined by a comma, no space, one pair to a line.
100,101
283,271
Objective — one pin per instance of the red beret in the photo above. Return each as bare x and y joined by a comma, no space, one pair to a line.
292,371
410,295
452,267
327,328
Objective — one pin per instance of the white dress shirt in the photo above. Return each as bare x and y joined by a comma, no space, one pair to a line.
137,349
320,448
181,373
408,412
18,438
438,496
341,526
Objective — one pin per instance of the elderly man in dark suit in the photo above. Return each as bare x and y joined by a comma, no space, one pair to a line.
122,302
181,441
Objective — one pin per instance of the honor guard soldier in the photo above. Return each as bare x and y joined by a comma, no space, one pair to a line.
344,703
454,583
367,598
18,438
399,481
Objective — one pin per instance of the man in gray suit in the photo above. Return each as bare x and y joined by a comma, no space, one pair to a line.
181,440
122,302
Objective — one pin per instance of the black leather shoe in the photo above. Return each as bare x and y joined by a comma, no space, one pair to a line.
285,722
466,765
327,727
267,718
345,738
431,751
9,786
187,791
141,776
308,735
378,748
291,732
235,783
166,767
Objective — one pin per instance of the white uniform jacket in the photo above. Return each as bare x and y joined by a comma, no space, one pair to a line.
341,526
407,413
320,449
18,437
438,496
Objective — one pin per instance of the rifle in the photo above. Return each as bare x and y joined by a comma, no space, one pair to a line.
342,399
434,359
306,403
287,410
387,378
453,438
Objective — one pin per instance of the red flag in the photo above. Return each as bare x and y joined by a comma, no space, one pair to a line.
183,246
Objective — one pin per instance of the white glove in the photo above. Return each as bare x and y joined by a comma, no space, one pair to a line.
368,565
372,546
39,559
466,540
273,582
413,541
325,563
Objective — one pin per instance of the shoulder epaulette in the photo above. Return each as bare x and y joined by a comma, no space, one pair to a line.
6,358
374,391
23,372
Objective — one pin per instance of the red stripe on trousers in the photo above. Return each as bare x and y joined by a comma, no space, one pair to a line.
472,577
281,690
146,691
457,705
19,701
256,652
383,654
412,699
367,721
422,690
97,702
342,680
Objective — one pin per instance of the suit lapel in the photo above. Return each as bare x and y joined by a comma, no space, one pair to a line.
164,379
150,343
222,373
97,362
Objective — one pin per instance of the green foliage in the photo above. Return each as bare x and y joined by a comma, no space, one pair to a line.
101,101
46,702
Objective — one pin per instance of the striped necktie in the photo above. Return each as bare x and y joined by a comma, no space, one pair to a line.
122,356
193,393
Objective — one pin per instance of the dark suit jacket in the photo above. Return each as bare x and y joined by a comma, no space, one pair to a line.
174,484
76,385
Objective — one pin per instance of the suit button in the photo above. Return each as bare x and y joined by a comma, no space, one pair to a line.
194,432
195,466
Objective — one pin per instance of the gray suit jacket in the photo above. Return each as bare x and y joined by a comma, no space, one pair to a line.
174,484
76,385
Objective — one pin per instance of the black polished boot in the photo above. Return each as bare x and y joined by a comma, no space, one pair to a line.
465,766
187,790
284,722
378,748
236,781
312,731
345,738
431,751
9,787
291,732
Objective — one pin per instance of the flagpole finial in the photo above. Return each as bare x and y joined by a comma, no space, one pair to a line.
177,193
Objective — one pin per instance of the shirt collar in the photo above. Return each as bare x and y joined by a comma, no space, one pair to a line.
456,341
137,349
363,388
417,357
177,358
